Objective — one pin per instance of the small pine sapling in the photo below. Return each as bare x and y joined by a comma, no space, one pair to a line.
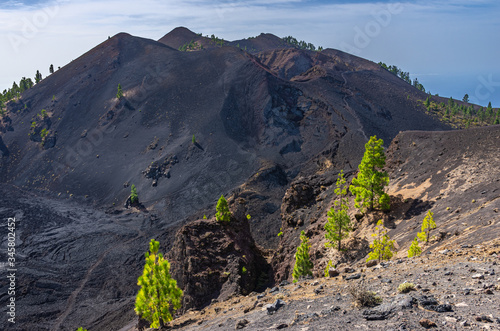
338,225
159,295
119,92
133,194
222,210
428,224
303,265
328,266
414,249
382,246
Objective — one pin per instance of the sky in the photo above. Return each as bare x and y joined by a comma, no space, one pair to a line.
452,47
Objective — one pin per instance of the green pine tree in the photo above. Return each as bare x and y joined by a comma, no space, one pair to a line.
119,92
222,210
427,102
382,246
368,186
159,295
133,194
38,77
339,223
428,224
415,249
303,265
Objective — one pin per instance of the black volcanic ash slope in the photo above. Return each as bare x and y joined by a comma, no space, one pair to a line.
244,112
259,120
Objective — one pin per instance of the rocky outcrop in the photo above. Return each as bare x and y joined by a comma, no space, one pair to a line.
6,124
213,261
159,169
3,148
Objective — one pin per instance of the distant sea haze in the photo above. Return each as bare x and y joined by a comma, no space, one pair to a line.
481,88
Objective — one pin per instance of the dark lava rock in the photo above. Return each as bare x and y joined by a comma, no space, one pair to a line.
284,283
426,301
241,324
274,289
319,289
305,317
443,308
377,314
427,323
202,273
332,272
3,148
484,318
355,276
272,308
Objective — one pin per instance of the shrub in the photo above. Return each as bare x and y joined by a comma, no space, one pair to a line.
406,287
328,266
159,295
43,133
364,298
244,270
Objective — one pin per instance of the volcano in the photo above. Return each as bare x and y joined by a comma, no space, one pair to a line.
245,119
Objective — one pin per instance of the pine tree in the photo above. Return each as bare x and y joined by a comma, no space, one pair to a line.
415,249
368,186
38,77
382,246
427,102
133,194
427,225
159,293
222,210
466,98
339,223
303,265
119,92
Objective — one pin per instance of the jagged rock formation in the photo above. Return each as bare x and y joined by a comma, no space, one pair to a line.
214,261
3,148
